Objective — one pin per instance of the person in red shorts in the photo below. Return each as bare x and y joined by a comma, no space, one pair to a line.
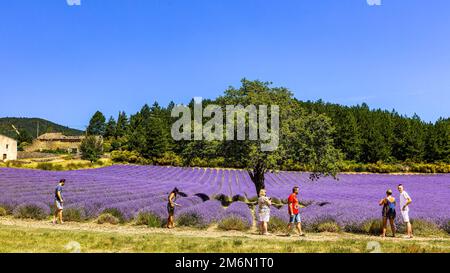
294,213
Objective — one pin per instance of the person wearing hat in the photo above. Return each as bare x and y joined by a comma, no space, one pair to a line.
388,212
171,207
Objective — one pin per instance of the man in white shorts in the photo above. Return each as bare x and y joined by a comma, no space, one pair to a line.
405,200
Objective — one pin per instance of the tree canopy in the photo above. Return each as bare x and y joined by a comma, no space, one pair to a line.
97,125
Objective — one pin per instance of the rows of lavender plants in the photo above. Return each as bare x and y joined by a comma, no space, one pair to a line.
351,199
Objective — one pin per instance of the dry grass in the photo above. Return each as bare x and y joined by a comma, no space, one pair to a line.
57,164
41,236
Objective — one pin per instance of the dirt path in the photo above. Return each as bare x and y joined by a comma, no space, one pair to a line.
211,232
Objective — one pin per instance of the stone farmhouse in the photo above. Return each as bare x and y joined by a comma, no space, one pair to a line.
55,141
8,148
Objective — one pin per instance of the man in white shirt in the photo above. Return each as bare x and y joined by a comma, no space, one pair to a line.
405,200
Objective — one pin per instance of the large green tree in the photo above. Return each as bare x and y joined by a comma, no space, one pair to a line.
149,132
122,125
91,148
110,128
97,125
305,138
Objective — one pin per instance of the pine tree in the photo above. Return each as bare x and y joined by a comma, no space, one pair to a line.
347,136
110,130
97,125
122,125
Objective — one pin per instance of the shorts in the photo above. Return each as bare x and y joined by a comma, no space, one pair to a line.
264,217
390,213
59,205
405,216
295,218
170,209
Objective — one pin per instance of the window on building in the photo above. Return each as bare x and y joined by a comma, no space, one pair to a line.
5,156
7,146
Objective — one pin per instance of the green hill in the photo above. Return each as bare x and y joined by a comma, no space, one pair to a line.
30,126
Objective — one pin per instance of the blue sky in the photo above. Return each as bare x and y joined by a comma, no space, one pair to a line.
63,62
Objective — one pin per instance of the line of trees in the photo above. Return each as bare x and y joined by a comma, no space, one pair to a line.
314,136
369,136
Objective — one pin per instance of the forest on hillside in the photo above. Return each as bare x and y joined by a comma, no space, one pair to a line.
29,128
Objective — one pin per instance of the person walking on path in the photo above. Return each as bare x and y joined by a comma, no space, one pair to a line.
294,213
264,204
59,202
171,207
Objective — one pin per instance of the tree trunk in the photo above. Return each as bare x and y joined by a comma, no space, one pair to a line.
258,175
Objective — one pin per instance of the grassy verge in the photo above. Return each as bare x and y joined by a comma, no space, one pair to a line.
400,167
25,239
58,164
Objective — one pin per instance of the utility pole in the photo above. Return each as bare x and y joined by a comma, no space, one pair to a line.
37,129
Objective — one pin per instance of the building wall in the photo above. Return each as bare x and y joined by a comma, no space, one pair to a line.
39,145
8,148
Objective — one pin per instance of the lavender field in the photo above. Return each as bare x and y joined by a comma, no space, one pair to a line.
349,201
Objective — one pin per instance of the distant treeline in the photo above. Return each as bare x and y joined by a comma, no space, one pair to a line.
363,135
369,136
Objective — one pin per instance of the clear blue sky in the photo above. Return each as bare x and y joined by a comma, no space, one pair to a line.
63,62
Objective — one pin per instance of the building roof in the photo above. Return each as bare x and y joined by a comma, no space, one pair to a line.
10,138
58,136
